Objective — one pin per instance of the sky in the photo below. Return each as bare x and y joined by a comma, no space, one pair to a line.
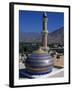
31,21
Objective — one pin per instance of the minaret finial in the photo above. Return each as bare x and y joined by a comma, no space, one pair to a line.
44,14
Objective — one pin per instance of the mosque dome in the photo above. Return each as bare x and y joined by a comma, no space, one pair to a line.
39,63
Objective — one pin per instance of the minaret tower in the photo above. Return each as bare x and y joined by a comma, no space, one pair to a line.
44,31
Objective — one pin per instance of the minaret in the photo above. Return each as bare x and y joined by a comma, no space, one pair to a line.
44,31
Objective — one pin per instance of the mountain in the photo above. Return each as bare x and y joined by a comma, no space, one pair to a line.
54,37
30,36
57,36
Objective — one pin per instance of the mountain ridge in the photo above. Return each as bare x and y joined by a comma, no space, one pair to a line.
56,36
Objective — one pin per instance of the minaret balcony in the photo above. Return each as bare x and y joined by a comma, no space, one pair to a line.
44,32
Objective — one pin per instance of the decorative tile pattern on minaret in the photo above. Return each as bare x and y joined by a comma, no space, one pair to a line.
44,31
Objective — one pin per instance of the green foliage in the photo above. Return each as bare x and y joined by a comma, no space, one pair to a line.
28,47
56,47
60,50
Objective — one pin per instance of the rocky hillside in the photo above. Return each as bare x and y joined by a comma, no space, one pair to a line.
54,37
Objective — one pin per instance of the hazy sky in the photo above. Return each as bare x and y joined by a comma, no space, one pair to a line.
31,21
